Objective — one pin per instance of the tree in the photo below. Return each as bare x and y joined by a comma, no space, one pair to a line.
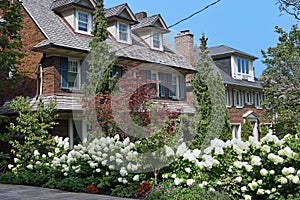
10,41
281,81
208,88
264,130
247,130
291,7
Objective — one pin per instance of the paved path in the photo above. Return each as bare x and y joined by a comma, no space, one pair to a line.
18,192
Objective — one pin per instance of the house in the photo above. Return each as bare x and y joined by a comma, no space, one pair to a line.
56,38
243,91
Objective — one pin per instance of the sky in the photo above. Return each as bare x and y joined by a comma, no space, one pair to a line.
246,25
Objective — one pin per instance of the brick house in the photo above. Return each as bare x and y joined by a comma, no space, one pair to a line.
56,38
243,91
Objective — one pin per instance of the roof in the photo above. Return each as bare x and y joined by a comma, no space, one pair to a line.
114,11
60,35
228,79
226,50
56,4
149,21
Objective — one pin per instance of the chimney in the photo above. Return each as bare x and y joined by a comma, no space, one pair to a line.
184,44
141,15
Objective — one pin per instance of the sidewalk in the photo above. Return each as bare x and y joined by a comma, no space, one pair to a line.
17,192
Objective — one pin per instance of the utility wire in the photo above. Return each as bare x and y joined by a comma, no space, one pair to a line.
195,13
180,21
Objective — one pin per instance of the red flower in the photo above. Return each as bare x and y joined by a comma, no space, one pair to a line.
143,188
92,189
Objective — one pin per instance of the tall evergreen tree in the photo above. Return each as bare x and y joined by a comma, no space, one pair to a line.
247,130
10,41
208,88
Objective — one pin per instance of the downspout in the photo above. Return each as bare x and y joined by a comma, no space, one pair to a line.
41,79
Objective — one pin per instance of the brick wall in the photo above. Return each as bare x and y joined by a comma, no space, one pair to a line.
31,36
236,114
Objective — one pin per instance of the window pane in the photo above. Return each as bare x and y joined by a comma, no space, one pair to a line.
247,66
123,32
239,64
82,17
156,40
82,21
82,26
243,65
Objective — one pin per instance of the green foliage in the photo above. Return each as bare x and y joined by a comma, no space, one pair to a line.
73,184
129,191
281,81
169,191
226,132
211,110
10,40
34,125
100,25
247,130
264,130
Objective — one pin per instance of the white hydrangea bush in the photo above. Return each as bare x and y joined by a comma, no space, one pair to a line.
268,169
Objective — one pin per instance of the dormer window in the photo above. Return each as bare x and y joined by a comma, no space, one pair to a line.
123,32
156,40
83,22
243,66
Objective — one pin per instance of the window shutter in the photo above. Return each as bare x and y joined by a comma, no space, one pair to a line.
161,84
84,69
181,87
170,85
64,72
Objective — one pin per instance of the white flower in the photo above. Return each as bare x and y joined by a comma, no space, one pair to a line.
260,191
56,150
120,179
106,173
244,189
136,178
123,171
77,170
10,166
177,181
173,176
111,167
181,149
169,151
247,197
265,148
296,179
273,190
187,169
190,182
238,179
283,180
263,172
36,153
219,151
16,160
29,166
124,181
38,162
44,156
259,181
98,170
248,168
272,172
255,160
65,174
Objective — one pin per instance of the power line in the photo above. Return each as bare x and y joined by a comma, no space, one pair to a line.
178,22
195,13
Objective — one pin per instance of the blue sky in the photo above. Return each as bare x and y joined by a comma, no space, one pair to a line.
247,25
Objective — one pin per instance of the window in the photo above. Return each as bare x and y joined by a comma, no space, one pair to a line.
235,131
175,86
243,66
73,74
238,98
156,40
123,32
258,100
154,79
248,98
84,22
228,93
70,73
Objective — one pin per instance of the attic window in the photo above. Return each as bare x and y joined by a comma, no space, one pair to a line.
84,22
243,66
123,32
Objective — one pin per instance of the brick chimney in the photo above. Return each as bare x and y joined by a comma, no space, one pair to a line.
141,15
184,44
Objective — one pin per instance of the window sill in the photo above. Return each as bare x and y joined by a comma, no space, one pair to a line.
239,107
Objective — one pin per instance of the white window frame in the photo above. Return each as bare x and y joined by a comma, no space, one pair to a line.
159,40
228,96
258,100
128,38
78,76
248,97
240,103
243,66
89,22
236,132
156,79
175,82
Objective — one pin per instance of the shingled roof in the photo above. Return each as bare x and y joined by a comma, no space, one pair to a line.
226,50
60,35
149,22
56,4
